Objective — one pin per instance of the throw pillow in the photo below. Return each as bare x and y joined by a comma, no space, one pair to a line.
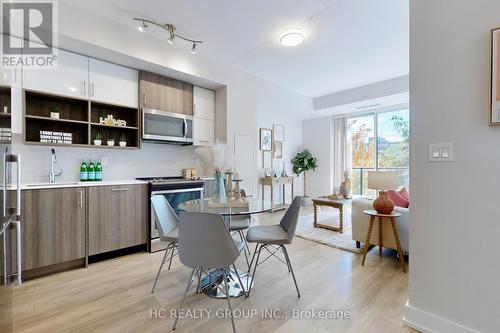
398,199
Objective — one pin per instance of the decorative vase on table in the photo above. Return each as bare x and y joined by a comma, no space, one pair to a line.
383,204
219,190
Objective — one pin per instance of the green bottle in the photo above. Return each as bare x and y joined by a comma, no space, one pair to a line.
91,169
98,172
84,175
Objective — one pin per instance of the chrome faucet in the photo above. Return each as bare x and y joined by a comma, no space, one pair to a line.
53,161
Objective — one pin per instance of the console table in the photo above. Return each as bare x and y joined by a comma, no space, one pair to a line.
272,181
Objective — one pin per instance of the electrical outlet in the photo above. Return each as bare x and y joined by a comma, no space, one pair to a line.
104,160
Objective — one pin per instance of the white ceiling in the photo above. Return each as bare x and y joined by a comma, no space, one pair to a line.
349,43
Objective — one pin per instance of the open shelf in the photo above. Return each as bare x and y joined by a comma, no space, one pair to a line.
78,117
5,117
40,105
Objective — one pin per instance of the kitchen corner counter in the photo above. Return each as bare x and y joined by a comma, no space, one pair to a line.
46,185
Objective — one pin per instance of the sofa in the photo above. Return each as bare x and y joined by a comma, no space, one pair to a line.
360,222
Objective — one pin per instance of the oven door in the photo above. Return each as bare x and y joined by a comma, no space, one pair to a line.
174,198
166,126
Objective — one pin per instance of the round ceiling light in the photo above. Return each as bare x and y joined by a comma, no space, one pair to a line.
292,38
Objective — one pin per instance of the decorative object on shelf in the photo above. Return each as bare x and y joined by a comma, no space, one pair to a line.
5,134
111,121
111,142
283,171
266,139
267,159
267,173
495,77
5,109
56,137
186,174
218,157
171,29
345,186
383,181
229,184
54,112
237,189
98,139
303,162
123,141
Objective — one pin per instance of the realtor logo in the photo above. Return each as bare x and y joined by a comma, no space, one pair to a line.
29,36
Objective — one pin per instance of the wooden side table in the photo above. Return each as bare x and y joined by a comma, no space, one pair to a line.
272,181
339,204
392,217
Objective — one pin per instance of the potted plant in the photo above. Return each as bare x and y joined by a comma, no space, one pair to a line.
54,112
98,139
111,142
303,162
123,141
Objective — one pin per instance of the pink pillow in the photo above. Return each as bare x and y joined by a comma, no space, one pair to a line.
398,199
404,193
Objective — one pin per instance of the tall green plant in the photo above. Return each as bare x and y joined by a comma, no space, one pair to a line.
302,162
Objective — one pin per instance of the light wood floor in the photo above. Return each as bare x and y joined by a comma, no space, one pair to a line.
114,295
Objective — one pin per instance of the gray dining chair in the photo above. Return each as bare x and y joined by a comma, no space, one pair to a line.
205,244
167,224
276,237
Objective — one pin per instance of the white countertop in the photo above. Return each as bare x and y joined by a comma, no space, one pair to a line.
63,184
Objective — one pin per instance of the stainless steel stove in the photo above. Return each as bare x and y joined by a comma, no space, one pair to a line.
176,190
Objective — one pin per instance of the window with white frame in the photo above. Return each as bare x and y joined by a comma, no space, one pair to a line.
378,141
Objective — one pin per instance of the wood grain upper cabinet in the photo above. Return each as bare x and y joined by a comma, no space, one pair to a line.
53,226
69,79
165,94
118,217
110,83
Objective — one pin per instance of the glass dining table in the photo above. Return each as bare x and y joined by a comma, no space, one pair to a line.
212,284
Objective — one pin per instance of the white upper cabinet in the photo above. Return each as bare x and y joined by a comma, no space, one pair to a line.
203,132
109,83
69,79
11,77
203,103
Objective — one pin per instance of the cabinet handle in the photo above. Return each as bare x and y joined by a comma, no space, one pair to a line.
206,141
119,189
84,87
194,109
144,99
92,89
81,199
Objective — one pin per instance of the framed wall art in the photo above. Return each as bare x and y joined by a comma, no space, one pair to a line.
266,139
495,77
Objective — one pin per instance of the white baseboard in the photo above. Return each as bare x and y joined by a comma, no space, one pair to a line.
430,323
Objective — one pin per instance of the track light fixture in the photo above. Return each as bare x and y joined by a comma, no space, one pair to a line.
171,30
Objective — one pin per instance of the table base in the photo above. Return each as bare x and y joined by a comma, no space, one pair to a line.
213,284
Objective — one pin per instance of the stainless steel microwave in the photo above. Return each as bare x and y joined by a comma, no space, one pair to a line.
167,127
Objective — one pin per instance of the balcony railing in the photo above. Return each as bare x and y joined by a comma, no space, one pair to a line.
359,179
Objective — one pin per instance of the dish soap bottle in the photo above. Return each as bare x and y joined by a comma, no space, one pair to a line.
91,169
84,175
98,172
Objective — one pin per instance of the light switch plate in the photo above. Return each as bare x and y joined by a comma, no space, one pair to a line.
441,152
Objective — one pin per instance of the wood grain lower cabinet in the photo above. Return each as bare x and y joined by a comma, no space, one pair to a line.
53,226
118,217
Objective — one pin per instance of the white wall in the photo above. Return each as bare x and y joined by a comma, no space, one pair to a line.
84,33
318,138
282,109
454,270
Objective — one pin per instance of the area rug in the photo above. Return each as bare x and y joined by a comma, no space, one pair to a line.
326,215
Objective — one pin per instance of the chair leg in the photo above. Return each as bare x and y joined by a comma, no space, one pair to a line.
226,290
171,255
291,269
183,298
161,265
253,257
255,267
287,263
239,280
244,239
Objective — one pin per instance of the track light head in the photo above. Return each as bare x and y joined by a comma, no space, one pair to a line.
171,38
142,27
193,49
